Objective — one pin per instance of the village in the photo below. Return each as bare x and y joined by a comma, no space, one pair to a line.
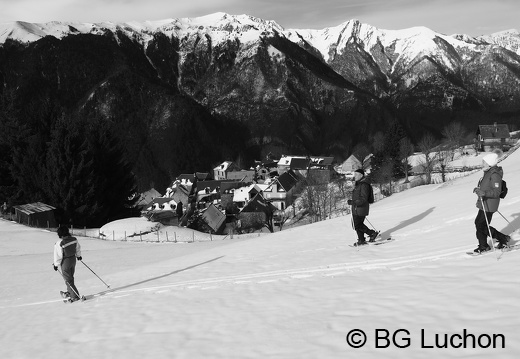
291,190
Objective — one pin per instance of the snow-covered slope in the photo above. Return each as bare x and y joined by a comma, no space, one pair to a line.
293,294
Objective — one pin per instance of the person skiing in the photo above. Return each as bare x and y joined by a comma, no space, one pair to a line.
488,192
66,250
360,208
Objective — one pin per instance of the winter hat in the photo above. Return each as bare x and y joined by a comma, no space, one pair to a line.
490,159
360,171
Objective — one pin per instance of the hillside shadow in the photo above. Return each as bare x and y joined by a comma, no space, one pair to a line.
388,232
111,290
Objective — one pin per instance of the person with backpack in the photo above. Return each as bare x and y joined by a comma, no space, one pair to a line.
66,250
489,192
362,196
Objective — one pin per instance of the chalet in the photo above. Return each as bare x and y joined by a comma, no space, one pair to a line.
493,136
147,197
280,190
221,171
353,163
35,214
255,213
242,195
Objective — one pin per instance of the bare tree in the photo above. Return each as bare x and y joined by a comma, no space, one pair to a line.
405,151
444,157
426,145
455,135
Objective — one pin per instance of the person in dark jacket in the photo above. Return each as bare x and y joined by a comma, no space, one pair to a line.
66,250
360,208
488,191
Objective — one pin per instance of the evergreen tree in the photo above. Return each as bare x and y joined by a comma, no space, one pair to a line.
110,181
67,169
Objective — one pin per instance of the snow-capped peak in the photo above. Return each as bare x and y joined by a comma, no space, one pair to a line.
217,22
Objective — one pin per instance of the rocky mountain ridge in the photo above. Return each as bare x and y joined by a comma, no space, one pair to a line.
179,88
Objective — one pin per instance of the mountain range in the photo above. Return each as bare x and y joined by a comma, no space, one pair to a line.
188,93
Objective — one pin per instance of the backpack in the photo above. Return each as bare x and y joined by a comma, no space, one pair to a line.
370,194
503,192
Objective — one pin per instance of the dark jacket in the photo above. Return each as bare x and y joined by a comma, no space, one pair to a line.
491,184
360,205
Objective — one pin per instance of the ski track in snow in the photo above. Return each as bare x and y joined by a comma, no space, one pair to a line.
326,271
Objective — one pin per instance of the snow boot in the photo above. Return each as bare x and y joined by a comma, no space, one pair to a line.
480,250
502,243
65,294
360,243
373,236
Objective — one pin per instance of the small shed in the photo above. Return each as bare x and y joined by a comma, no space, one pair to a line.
36,214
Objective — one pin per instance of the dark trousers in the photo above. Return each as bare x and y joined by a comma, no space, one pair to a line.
360,227
68,266
482,229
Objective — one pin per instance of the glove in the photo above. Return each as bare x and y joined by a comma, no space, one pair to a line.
479,192
349,202
55,267
80,258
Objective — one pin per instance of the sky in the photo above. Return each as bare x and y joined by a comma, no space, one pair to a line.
471,17
299,293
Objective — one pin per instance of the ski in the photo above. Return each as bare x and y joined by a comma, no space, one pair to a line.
509,248
382,241
69,300
375,243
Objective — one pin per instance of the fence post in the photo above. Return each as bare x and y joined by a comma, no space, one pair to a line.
158,238
85,228
141,235
166,236
125,236
193,236
175,236
113,235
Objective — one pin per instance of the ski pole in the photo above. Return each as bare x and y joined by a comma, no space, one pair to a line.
68,284
503,217
374,228
95,274
487,223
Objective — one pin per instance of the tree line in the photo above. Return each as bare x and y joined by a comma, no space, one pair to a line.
75,165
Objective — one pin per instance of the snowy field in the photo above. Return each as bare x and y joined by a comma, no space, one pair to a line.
293,294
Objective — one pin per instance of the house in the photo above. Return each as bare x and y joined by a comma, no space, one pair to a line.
322,162
354,163
146,197
493,136
255,213
221,171
279,192
36,214
294,163
161,203
227,192
242,195
242,175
